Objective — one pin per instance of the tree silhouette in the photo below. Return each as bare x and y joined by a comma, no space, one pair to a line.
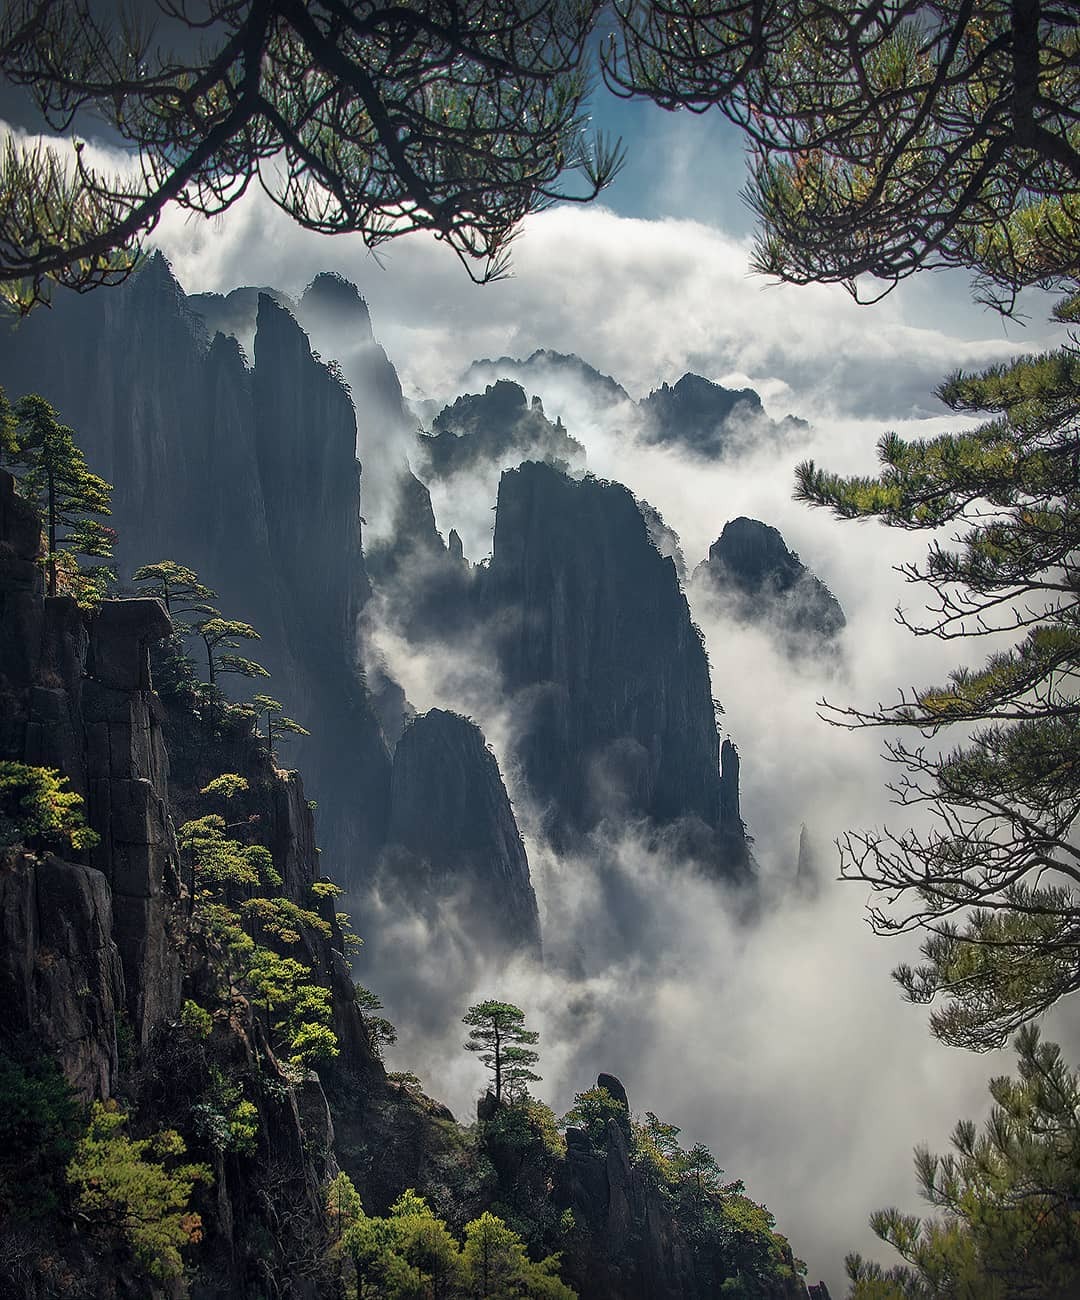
53,474
459,119
886,136
497,1032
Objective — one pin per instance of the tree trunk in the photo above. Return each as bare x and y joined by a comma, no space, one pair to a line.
52,530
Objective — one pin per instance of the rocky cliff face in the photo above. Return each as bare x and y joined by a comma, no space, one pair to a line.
86,943
759,580
247,476
608,674
499,426
710,420
452,834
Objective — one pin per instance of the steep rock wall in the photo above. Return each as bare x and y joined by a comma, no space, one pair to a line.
248,476
452,832
83,942
608,673
759,580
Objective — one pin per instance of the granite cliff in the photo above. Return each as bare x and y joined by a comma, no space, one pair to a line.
758,580
452,835
710,420
499,426
607,673
248,476
118,984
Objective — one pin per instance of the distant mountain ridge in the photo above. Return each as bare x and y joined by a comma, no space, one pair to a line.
761,581
695,414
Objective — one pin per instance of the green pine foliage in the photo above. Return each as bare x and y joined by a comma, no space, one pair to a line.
222,638
1007,1224
279,728
412,1255
498,1034
736,1251
993,881
52,473
134,1192
38,810
252,926
179,589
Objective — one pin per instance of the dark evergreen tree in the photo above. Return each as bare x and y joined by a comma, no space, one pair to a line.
497,1032
53,474
994,878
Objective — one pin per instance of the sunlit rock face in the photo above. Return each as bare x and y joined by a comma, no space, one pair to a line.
452,834
751,570
607,673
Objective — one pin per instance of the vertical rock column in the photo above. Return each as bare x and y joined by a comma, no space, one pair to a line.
127,782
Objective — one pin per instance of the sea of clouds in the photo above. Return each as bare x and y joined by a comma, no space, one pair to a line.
782,1044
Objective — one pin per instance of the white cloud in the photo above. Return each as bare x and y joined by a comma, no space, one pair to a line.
642,300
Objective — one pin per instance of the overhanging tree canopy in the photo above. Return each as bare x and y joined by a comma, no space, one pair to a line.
888,135
994,875
454,118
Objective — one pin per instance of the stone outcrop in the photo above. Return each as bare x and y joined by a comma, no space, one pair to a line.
60,972
547,370
710,420
247,475
608,674
496,427
452,834
75,695
751,570
639,1249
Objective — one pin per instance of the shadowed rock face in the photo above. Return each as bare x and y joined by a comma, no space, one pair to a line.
546,368
761,581
249,476
80,944
709,419
452,833
497,426
608,674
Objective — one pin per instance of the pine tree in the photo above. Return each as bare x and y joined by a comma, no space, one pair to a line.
497,1031
222,637
994,880
53,474
179,588
1008,1226
278,726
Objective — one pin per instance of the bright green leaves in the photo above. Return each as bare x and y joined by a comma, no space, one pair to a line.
220,862
412,1254
136,1191
224,1117
37,809
250,924
735,1248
